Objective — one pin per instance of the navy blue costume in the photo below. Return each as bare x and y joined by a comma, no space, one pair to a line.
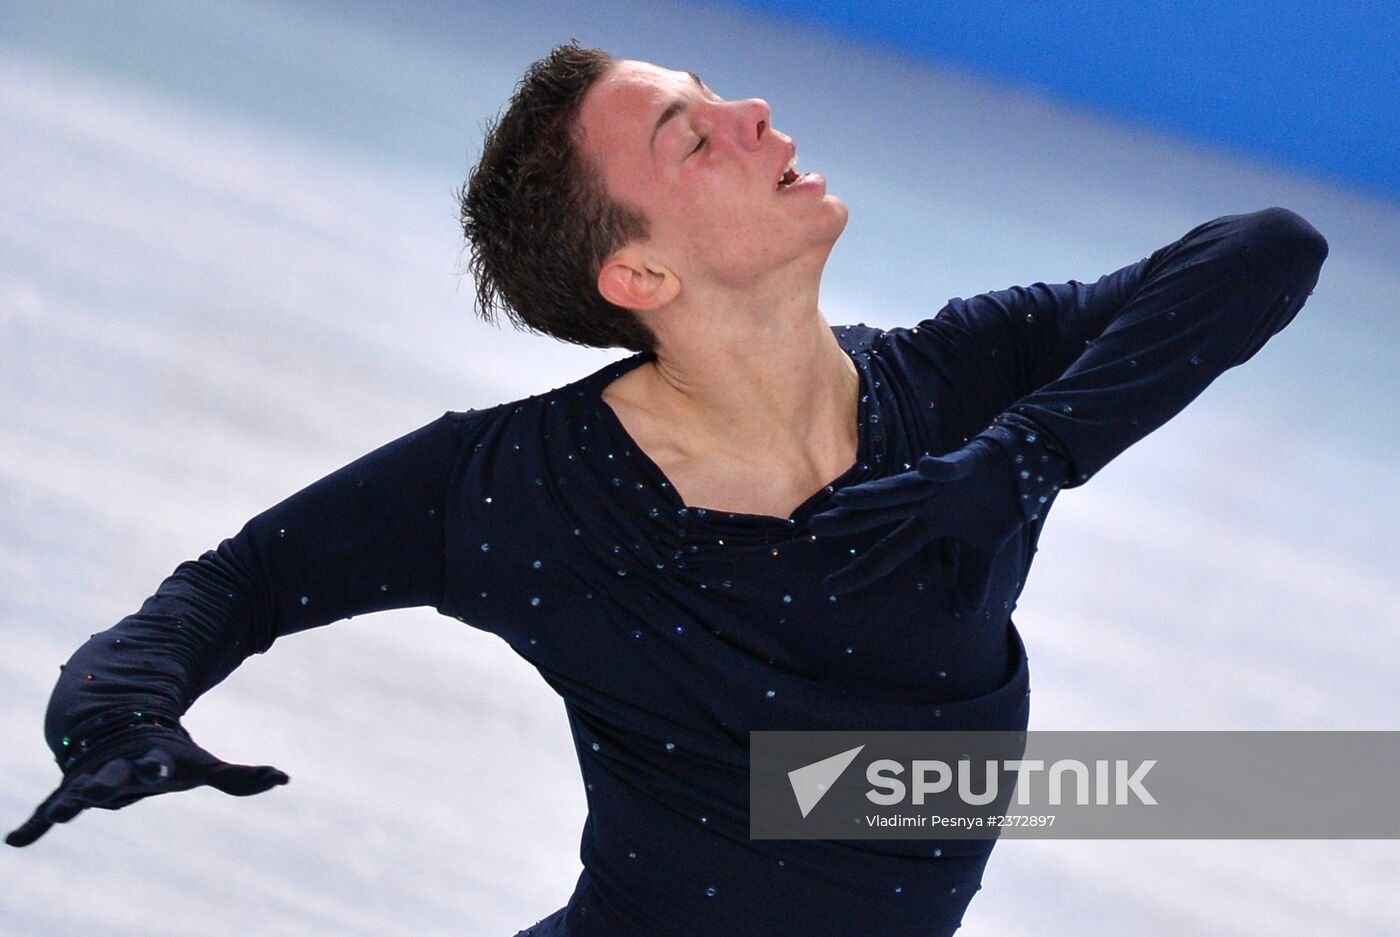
672,631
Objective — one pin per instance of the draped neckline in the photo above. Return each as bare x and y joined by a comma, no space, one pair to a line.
867,405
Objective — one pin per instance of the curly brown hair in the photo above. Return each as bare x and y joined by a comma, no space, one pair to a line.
538,216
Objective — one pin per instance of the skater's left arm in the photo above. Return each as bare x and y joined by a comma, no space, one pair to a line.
1093,368
1051,382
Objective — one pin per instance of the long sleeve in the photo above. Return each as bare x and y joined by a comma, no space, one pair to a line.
365,538
1093,368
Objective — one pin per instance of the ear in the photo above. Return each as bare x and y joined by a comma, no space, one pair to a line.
629,281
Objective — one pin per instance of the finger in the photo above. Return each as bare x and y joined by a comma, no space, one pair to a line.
244,780
904,488
880,560
946,468
127,799
838,521
111,780
35,826
28,831
64,808
113,774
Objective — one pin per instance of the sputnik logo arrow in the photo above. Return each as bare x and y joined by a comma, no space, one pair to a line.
811,782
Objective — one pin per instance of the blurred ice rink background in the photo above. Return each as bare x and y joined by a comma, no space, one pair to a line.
228,266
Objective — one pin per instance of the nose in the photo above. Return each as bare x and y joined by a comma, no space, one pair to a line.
755,121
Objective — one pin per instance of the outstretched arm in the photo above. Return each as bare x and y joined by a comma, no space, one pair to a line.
365,538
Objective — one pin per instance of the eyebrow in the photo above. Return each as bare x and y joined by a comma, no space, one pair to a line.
672,109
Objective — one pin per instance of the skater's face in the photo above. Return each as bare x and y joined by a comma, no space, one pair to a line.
704,170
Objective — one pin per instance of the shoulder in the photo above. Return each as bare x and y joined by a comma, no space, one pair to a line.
929,344
522,427
858,337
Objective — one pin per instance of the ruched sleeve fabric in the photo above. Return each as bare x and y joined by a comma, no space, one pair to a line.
365,538
1099,366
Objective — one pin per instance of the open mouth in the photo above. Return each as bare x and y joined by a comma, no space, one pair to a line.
790,173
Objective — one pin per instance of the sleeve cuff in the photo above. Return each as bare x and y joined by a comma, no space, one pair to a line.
1038,469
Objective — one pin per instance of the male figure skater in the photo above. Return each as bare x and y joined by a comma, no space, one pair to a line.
684,541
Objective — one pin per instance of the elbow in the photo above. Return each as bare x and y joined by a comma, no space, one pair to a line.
1288,241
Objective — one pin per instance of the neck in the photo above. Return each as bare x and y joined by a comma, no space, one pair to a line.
750,383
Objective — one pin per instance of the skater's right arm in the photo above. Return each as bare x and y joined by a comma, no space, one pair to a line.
365,538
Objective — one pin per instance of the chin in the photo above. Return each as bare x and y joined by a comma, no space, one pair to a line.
840,214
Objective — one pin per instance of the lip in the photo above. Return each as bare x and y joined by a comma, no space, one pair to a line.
788,154
806,182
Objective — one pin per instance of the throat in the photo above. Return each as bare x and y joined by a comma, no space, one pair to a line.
742,472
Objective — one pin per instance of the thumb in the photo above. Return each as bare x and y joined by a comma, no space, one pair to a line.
947,468
243,780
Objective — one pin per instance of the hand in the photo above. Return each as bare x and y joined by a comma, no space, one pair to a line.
968,495
156,760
